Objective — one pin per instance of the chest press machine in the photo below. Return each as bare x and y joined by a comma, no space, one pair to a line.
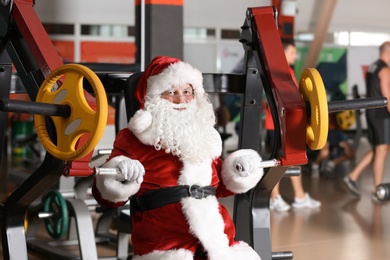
300,117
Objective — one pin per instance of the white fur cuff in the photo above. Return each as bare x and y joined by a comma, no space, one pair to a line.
113,190
180,254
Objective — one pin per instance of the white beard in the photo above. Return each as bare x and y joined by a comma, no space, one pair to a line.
188,133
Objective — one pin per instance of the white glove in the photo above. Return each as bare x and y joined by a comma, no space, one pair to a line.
247,164
130,170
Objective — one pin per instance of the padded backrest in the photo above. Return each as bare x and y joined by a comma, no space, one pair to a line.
131,103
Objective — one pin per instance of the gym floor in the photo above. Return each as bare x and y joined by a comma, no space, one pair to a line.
343,228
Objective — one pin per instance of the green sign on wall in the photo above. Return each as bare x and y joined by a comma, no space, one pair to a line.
332,66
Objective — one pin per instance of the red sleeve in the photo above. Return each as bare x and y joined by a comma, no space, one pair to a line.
123,144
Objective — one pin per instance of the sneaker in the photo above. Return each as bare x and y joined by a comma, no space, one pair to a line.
278,204
330,166
315,170
306,202
352,186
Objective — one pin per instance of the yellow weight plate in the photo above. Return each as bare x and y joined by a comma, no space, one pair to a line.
345,119
313,92
83,119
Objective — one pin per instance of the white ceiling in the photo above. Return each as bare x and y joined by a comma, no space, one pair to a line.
349,15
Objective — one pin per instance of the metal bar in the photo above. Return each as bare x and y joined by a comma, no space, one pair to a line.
359,131
355,104
85,231
106,171
5,84
249,138
110,171
269,163
292,171
34,108
259,210
282,255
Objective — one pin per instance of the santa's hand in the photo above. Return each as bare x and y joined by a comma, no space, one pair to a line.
130,170
241,170
245,165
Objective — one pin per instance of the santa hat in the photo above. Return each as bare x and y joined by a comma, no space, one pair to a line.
163,73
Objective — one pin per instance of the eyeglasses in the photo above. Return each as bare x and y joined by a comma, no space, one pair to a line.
176,93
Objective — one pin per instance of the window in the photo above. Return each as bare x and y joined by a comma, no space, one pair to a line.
230,34
119,31
67,29
199,33
365,39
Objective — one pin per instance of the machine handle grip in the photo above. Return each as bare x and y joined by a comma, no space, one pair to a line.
269,163
263,164
110,171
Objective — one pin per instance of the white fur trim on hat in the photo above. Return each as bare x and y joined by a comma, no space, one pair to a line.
176,74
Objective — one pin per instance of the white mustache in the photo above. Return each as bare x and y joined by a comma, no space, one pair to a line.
181,106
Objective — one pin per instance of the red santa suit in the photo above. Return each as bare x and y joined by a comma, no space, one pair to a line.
178,229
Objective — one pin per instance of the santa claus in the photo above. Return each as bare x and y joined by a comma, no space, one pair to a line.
171,168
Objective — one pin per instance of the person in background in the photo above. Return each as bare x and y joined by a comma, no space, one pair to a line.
337,149
302,199
378,123
351,180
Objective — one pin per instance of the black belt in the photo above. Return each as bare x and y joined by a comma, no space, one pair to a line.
164,196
